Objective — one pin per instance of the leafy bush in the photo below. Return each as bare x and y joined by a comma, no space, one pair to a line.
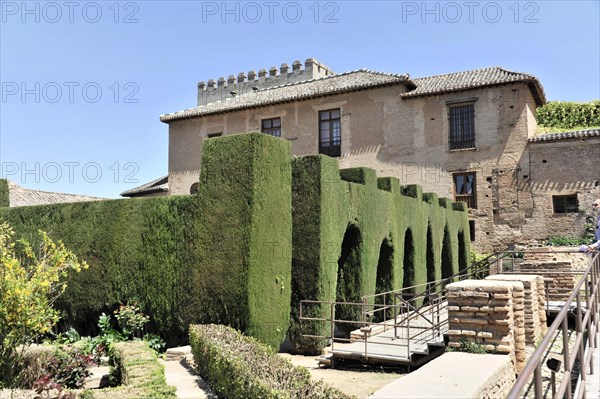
558,241
237,366
569,115
131,319
30,281
69,368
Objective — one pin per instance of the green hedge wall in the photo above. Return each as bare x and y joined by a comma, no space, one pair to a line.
568,115
138,250
222,256
354,219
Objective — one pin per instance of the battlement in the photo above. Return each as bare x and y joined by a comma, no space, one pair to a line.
223,89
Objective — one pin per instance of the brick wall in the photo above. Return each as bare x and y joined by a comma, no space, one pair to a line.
489,313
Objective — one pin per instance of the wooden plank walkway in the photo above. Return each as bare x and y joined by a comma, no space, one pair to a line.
393,346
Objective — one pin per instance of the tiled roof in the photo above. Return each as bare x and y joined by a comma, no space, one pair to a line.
344,82
158,185
476,78
574,134
19,196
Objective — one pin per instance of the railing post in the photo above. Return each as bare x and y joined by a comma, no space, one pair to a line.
538,381
395,317
332,313
566,357
384,314
579,329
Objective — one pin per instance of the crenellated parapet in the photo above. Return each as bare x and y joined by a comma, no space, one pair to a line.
223,89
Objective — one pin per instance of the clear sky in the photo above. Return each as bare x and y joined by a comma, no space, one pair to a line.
84,82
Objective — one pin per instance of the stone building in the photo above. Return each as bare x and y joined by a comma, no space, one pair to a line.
469,135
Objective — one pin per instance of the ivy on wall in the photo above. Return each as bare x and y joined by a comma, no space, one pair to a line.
569,115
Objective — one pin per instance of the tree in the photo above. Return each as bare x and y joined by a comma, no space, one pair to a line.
30,281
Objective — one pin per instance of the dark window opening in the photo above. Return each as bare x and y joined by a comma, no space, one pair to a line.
472,230
271,126
330,133
194,188
463,258
212,135
461,126
465,188
565,203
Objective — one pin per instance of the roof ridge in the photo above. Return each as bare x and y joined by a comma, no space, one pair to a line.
460,72
15,185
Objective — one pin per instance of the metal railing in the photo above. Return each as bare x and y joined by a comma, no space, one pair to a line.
400,309
582,304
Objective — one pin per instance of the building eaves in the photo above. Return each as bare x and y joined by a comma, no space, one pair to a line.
476,78
345,82
19,196
573,134
158,185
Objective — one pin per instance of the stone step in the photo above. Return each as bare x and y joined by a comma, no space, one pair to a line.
178,353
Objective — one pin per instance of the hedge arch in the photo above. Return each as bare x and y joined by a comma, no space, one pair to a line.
430,256
385,277
447,269
348,277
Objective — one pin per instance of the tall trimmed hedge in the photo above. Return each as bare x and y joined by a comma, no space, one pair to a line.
223,255
341,221
245,228
568,115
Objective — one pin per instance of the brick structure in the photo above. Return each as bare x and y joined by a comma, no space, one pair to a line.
554,266
489,313
534,301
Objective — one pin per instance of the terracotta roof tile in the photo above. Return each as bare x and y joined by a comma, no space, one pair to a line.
19,196
475,78
573,134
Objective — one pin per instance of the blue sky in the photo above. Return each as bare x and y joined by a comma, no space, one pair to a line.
84,83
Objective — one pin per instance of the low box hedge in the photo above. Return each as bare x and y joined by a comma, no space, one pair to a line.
237,366
142,376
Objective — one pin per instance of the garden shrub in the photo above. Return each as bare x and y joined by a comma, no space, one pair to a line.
236,366
140,373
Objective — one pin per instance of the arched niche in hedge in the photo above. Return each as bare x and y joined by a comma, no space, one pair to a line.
385,277
447,269
348,277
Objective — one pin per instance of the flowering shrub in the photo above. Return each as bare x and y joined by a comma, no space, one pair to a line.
30,281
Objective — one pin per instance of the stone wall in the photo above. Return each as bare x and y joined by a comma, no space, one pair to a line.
534,302
489,313
554,266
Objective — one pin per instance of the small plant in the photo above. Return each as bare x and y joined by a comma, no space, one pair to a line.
155,342
468,347
131,320
69,368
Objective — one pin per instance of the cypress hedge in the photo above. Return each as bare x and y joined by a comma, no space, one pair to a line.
223,255
264,232
372,235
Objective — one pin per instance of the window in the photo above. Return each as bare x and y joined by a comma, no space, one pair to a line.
330,133
472,230
212,135
565,203
271,126
461,126
464,188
